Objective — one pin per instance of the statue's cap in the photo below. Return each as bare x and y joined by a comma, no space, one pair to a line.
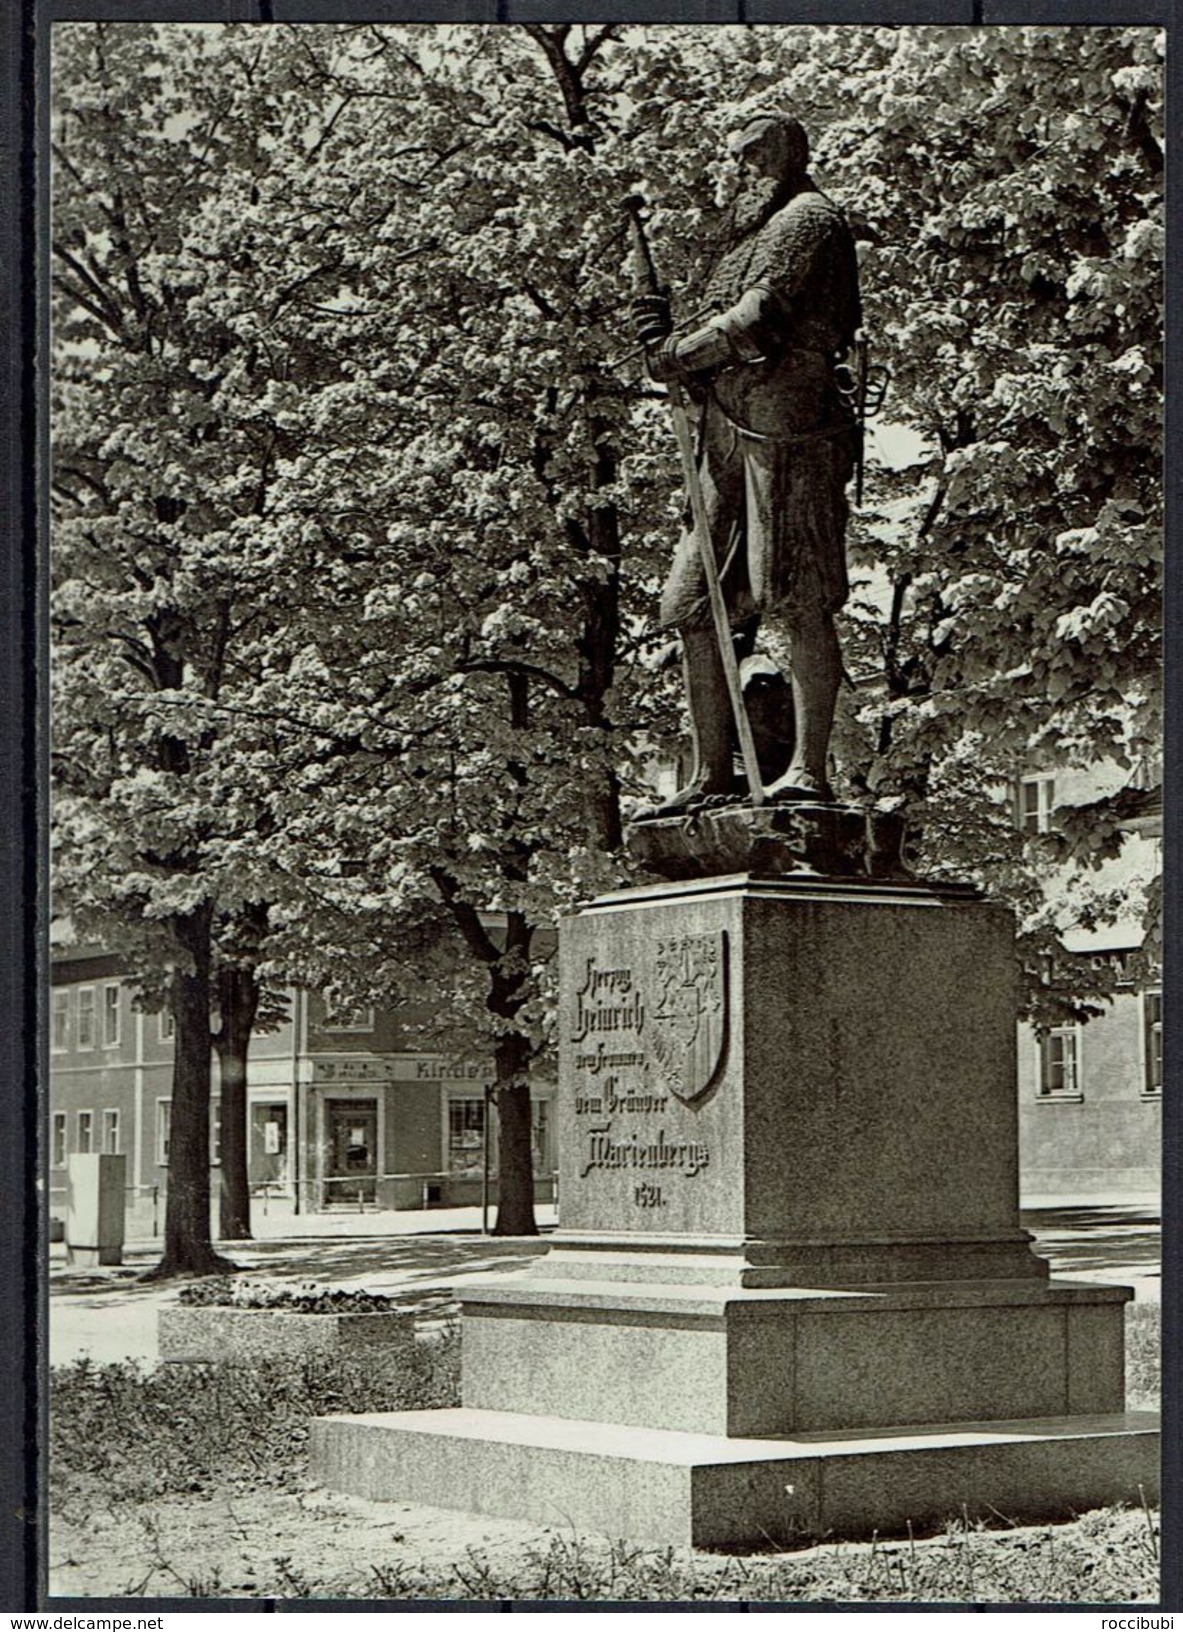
757,125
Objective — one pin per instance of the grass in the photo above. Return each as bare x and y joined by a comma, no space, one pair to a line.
151,1446
146,1432
1110,1556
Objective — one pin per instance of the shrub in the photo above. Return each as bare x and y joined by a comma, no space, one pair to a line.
1143,1358
146,1432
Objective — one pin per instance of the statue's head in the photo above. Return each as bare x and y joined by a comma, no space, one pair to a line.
773,145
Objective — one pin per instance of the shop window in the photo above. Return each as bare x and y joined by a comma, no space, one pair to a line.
110,1133
59,1034
1152,1042
164,1117
85,1035
466,1138
1059,1063
1035,797
59,1139
85,1132
111,1016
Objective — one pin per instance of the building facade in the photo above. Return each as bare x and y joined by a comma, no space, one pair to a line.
1090,1101
341,1110
1090,1094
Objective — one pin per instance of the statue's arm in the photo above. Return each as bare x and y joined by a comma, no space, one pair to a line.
749,330
744,333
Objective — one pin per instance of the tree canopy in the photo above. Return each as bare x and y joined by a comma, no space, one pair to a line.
360,508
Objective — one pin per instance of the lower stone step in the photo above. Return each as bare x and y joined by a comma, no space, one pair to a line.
703,1490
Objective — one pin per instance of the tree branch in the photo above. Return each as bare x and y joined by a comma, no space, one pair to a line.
506,665
593,43
476,937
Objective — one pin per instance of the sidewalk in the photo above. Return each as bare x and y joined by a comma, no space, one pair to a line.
420,1257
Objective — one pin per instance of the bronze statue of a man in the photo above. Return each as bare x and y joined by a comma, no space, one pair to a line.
776,449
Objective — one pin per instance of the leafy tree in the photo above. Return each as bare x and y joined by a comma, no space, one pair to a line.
162,580
456,481
348,441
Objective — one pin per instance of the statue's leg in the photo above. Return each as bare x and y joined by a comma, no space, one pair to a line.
710,712
816,673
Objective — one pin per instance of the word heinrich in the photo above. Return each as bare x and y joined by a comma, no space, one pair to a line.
685,1156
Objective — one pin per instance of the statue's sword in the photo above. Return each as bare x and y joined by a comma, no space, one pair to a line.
702,531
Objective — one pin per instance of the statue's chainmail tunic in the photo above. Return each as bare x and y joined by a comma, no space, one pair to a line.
776,439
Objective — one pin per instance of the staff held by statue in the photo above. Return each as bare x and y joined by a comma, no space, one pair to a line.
649,286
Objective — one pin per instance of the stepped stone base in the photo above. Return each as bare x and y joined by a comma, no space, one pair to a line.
753,1363
705,1490
739,1262
792,1296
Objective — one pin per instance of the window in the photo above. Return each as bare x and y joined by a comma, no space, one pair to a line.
1152,1042
168,1026
85,1131
60,1020
344,1016
215,1132
466,1138
110,1133
85,1038
59,1139
111,1015
164,1117
1034,799
1059,1063
540,1138
268,1143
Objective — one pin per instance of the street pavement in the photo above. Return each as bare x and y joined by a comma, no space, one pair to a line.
419,1257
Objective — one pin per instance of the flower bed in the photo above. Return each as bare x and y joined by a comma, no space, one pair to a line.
222,1321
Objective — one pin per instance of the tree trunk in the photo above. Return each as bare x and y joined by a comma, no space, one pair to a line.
238,1000
188,1249
515,1182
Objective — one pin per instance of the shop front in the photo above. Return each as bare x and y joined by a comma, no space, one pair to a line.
409,1131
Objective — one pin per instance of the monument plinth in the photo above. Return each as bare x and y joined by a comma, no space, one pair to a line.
790,1293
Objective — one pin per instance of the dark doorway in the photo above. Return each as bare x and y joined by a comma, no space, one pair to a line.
352,1166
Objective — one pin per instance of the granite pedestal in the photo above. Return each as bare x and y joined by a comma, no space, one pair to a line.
790,1294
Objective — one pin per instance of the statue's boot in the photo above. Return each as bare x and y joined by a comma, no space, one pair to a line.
816,672
710,727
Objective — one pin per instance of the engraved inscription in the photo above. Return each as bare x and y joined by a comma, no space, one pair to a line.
687,1157
622,1085
613,1098
608,1000
601,1060
648,1195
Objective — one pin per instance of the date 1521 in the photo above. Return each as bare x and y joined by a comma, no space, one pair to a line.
648,1195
